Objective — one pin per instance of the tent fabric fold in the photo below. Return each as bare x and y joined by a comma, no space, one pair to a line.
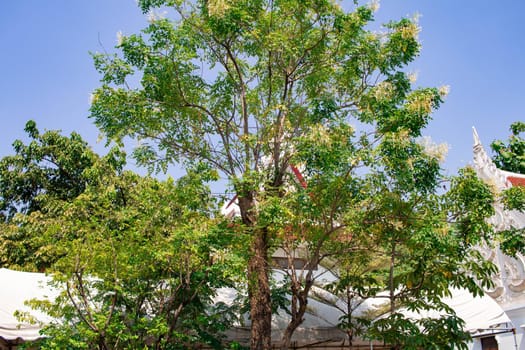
481,314
17,288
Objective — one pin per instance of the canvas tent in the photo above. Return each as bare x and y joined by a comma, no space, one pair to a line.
16,288
482,314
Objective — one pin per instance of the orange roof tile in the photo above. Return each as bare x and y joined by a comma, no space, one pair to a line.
516,181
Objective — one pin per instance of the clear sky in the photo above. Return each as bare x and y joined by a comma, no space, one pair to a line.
476,47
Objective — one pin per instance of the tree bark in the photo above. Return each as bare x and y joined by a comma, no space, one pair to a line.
299,303
259,293
297,319
258,276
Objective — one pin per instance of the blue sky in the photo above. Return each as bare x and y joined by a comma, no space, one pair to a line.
475,47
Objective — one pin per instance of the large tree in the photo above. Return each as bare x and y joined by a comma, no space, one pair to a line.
254,88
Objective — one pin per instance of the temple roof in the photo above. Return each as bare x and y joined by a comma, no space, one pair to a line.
516,179
487,170
509,289
500,180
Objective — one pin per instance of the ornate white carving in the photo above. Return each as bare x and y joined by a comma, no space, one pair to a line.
510,279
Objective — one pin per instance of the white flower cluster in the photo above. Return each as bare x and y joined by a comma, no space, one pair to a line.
444,90
438,151
120,38
153,15
218,7
384,90
374,5
412,77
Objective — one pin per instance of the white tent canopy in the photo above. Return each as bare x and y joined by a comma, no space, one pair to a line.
480,313
17,288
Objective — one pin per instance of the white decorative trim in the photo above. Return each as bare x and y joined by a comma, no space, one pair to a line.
510,280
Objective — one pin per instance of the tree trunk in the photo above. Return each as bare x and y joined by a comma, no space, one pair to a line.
297,319
300,289
298,308
258,276
259,292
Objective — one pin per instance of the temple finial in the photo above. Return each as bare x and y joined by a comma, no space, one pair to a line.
477,141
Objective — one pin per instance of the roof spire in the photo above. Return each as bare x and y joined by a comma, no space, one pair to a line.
477,141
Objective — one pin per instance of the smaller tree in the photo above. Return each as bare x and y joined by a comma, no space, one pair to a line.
50,168
510,155
136,260
143,259
49,164
420,244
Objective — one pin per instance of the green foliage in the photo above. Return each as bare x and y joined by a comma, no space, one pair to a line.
253,88
472,202
49,165
510,155
142,260
137,261
512,241
35,182
514,198
426,333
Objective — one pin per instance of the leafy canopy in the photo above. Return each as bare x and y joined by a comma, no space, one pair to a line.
50,165
144,259
253,89
136,260
510,155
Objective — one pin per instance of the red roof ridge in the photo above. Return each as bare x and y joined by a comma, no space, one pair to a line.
516,181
